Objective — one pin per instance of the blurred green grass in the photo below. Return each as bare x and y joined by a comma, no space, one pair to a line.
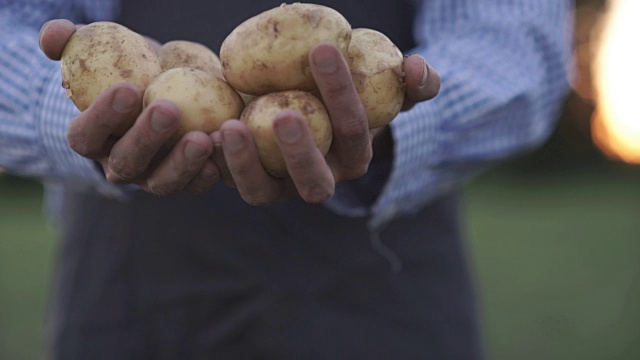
26,253
556,259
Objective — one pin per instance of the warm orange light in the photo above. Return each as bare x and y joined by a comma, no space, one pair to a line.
616,123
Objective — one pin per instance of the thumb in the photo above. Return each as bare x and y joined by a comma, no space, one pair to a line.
54,35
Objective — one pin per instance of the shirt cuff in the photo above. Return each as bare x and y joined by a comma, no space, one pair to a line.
413,180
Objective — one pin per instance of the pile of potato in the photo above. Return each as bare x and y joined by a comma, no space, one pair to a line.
263,68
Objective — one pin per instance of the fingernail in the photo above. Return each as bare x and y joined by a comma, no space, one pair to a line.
425,74
124,101
193,151
288,130
232,140
326,61
160,121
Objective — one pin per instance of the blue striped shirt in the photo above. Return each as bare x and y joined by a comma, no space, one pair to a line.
504,70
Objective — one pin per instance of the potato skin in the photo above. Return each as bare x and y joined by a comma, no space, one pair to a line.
259,116
205,100
269,52
376,66
102,54
183,53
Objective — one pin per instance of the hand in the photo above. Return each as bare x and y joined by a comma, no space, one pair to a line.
312,176
141,155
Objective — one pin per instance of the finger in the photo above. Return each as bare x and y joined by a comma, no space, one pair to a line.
307,167
93,128
351,146
422,81
219,159
204,180
54,35
183,163
255,186
131,156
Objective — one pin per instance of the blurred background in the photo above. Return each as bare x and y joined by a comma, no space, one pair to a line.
554,235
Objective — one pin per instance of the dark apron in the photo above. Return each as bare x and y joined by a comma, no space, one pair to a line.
209,277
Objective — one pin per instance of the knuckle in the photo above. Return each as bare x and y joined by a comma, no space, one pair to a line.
353,127
354,172
360,171
113,177
122,168
145,145
240,171
317,194
256,199
166,185
204,181
192,169
80,145
336,88
351,167
367,156
161,189
298,163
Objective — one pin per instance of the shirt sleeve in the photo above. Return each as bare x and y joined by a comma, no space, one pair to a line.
34,112
503,67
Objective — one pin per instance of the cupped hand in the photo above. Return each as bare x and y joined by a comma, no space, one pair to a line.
197,161
312,176
142,155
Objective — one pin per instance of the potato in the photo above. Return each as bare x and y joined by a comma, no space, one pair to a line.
101,54
182,53
247,98
205,100
269,52
376,66
259,116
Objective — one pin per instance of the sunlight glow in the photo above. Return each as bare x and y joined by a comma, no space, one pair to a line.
616,123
